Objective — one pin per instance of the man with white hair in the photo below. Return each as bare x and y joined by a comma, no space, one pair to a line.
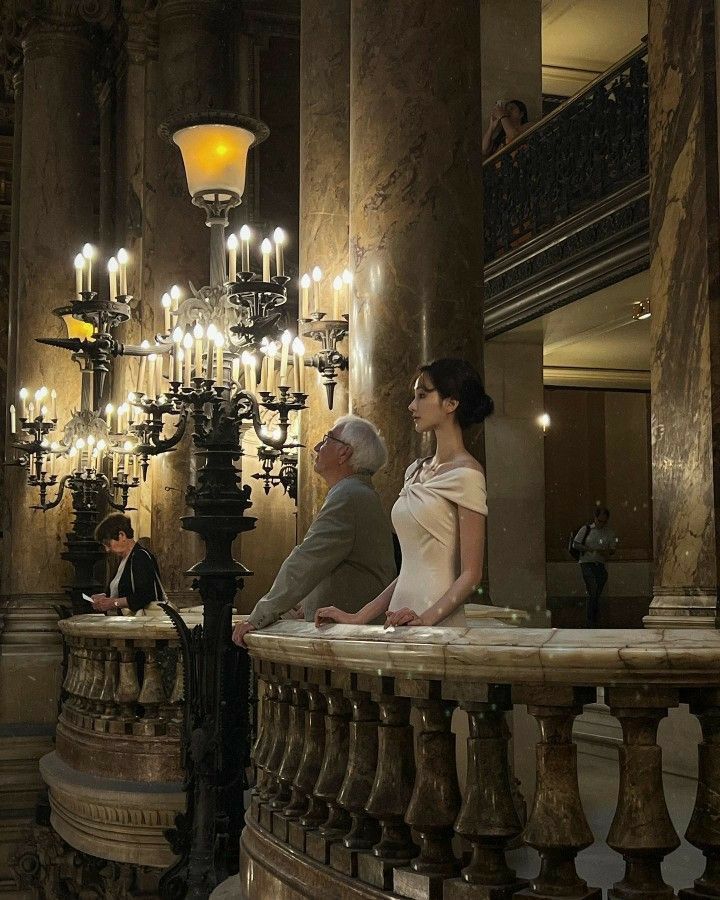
346,558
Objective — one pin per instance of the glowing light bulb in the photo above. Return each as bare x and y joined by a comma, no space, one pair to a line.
317,274
232,242
305,281
198,332
113,265
177,335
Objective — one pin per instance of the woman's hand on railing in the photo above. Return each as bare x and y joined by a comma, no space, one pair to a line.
327,615
404,616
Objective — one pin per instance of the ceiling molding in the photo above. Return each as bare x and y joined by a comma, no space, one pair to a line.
609,379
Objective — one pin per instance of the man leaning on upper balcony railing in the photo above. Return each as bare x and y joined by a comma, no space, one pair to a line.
347,557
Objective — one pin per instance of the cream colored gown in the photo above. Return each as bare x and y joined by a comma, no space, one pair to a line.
425,518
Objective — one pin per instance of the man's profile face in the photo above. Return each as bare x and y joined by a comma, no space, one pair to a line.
328,451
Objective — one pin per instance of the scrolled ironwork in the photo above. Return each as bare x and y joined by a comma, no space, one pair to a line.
590,147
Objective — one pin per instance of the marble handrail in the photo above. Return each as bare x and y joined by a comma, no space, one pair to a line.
357,792
511,655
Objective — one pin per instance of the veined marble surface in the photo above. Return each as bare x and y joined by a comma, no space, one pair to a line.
500,654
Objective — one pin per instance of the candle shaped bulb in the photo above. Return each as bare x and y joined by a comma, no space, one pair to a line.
317,278
266,250
198,334
79,444
177,357
53,403
91,440
285,342
337,287
252,369
235,371
175,295
79,267
219,341
88,252
187,347
279,238
23,402
270,355
232,248
31,411
41,394
245,359
122,409
177,335
245,234
298,349
145,345
166,303
109,410
122,258
112,276
212,332
305,283
347,278
43,412
127,447
13,419
150,389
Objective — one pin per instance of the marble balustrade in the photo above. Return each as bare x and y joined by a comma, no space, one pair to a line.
115,777
357,791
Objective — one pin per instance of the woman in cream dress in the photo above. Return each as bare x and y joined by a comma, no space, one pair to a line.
440,514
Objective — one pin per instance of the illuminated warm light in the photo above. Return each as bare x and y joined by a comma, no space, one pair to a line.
317,274
245,233
286,338
175,292
232,242
122,256
198,332
347,276
279,236
544,422
215,157
88,251
212,331
79,262
298,348
166,301
77,329
187,341
305,281
112,265
177,335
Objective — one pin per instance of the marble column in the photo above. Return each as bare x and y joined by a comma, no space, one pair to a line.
511,53
324,200
685,324
515,455
55,218
415,206
194,74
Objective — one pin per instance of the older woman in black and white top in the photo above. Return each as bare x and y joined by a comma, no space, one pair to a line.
137,581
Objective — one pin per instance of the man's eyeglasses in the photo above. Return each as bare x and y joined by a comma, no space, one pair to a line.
331,437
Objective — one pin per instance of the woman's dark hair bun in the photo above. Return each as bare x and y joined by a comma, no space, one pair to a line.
461,381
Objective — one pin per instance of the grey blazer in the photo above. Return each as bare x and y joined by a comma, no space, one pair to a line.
345,560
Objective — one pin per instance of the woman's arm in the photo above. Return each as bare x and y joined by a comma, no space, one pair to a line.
491,130
142,576
370,611
472,549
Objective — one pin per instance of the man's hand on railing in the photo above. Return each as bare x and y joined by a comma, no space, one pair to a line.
239,632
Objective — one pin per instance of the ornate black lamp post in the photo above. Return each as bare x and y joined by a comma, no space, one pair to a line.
242,312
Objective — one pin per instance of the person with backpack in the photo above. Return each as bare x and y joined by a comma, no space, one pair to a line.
592,546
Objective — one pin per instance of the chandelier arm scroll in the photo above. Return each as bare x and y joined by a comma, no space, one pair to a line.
45,506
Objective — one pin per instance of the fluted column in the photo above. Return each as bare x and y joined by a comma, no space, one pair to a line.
415,205
324,198
684,277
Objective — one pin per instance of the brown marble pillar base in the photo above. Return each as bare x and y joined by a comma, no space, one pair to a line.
459,889
417,885
378,872
280,824
588,894
317,846
678,609
255,807
266,815
696,894
344,860
297,835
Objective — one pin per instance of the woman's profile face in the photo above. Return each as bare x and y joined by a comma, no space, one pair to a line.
515,113
426,406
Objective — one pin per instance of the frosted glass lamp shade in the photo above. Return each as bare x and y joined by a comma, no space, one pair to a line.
215,157
77,329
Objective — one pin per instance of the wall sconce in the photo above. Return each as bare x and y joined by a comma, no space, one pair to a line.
641,310
544,422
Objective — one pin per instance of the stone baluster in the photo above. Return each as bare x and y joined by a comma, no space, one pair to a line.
96,678
641,830
277,748
704,828
355,790
152,694
127,691
72,662
264,745
177,699
312,811
435,800
488,817
82,685
293,754
557,827
74,677
109,685
332,774
392,788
